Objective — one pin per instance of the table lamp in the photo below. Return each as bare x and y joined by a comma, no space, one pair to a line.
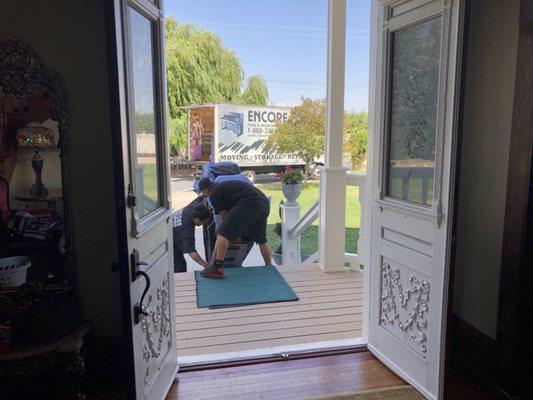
36,138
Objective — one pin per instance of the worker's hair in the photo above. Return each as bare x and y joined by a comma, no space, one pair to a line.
201,212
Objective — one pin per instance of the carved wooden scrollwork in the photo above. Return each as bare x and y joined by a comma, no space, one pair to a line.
414,302
156,329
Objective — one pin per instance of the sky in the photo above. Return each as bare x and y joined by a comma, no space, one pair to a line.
285,42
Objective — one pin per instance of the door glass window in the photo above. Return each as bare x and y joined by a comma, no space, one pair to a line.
144,118
415,61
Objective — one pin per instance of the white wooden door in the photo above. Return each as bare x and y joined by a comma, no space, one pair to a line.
142,175
418,69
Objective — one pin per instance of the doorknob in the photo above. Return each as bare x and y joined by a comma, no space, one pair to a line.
139,309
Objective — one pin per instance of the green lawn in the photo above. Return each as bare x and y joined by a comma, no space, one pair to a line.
309,239
150,180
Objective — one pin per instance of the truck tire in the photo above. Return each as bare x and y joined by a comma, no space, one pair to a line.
250,174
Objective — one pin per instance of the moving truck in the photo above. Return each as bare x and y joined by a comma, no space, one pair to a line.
233,132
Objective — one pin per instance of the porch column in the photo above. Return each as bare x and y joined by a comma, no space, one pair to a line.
333,176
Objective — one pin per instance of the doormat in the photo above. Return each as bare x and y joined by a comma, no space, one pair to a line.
243,287
393,393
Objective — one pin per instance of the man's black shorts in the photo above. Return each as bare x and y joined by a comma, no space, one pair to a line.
248,218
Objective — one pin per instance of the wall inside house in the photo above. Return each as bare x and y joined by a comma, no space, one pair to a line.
69,36
488,106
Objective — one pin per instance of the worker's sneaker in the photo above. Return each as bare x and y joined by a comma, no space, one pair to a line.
216,271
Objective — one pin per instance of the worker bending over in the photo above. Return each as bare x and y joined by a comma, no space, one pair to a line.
184,222
243,209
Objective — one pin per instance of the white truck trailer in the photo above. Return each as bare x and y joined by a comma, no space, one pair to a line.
231,132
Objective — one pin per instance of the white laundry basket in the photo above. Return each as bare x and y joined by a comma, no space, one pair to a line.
13,270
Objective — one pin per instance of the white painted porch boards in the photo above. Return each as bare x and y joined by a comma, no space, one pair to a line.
329,308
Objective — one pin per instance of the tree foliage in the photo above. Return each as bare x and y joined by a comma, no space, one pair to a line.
255,91
302,133
144,122
178,134
355,139
201,70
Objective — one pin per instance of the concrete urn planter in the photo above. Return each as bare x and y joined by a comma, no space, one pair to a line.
291,192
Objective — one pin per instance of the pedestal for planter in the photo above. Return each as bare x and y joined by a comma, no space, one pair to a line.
290,214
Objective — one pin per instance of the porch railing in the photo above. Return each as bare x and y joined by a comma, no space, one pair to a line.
291,232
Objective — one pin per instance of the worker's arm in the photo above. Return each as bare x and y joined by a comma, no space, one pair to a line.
223,214
196,257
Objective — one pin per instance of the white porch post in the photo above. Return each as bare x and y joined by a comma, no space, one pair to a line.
333,176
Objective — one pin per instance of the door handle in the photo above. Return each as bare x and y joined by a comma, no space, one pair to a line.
139,308
135,264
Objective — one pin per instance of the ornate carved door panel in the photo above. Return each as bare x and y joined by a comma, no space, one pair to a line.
418,48
142,176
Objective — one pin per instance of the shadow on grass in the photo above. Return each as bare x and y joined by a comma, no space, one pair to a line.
309,239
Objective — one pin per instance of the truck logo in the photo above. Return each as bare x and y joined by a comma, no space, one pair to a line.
233,122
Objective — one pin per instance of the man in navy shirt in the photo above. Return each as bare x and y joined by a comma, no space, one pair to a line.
243,209
184,222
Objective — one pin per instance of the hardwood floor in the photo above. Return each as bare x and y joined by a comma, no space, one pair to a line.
329,308
286,380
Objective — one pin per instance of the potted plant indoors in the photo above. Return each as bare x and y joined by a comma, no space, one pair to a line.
291,185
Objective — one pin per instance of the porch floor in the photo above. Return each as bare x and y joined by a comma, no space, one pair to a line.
329,309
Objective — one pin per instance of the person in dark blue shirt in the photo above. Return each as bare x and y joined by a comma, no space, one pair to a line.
184,222
243,209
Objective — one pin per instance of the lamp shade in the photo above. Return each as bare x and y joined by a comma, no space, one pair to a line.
35,137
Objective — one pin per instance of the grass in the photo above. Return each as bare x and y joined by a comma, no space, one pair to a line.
150,180
309,239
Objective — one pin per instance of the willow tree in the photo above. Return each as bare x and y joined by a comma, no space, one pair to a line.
255,91
201,70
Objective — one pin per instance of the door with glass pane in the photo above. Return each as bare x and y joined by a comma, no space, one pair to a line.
143,176
418,68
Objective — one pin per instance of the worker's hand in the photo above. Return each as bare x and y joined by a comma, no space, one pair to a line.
198,259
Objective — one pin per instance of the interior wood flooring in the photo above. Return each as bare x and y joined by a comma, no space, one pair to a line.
286,380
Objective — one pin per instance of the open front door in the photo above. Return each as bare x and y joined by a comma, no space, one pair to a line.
418,66
143,205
